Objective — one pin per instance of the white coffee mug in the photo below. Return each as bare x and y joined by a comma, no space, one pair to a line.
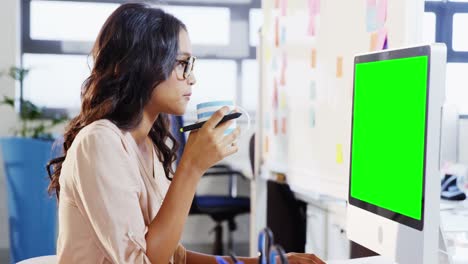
207,109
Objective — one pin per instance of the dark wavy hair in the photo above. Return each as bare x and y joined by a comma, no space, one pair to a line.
135,51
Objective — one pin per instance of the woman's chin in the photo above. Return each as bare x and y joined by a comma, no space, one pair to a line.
179,110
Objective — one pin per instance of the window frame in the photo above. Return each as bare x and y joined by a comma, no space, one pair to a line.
444,12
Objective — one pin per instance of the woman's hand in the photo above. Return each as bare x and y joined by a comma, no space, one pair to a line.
209,145
303,258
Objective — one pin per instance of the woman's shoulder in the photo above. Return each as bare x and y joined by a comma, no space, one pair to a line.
100,132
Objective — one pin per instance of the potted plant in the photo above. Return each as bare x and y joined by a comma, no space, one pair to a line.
32,212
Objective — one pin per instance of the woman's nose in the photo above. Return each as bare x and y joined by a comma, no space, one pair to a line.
192,80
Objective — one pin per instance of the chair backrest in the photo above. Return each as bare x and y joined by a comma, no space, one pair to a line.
32,213
176,123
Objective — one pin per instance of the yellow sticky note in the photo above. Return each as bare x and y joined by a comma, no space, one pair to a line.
339,67
313,63
339,154
267,54
283,100
373,41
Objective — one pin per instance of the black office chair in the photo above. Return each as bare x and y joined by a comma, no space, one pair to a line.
219,207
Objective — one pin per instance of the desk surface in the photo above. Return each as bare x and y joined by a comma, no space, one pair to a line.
369,260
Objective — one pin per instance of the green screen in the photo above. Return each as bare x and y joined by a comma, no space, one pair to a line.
388,142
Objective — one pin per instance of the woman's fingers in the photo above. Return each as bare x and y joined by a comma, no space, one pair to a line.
222,127
231,137
215,118
304,258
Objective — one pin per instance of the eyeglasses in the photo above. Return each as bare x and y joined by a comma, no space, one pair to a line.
188,67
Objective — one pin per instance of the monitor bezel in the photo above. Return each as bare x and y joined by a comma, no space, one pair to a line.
381,56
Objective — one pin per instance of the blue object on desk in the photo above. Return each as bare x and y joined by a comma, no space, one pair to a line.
450,190
220,260
265,241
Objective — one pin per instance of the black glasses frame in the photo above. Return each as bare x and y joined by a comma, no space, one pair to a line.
188,66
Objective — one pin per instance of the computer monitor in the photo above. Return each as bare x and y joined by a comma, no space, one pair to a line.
394,186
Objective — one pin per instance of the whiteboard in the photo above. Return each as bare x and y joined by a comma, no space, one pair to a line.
308,48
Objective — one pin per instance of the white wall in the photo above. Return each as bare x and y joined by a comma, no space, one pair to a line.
9,55
463,142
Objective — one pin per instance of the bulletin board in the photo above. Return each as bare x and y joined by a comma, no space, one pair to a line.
307,52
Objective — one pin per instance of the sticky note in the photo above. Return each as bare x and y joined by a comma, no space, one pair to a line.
311,27
313,91
274,63
283,100
275,94
382,12
283,36
339,154
283,76
312,117
277,32
313,63
371,3
267,53
374,37
283,69
371,18
284,125
277,3
314,7
339,67
381,39
284,7
275,126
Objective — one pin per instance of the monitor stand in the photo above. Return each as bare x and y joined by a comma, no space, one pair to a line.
444,257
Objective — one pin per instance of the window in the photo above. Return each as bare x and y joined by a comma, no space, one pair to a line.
69,21
216,80
429,25
256,20
57,37
449,21
53,74
460,35
199,19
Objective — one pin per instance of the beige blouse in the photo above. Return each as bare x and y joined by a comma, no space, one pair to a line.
108,199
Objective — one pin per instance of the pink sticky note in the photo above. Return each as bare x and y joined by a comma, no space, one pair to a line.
381,37
314,7
382,12
311,28
371,3
284,7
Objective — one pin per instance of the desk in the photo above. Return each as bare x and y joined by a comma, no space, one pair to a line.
369,260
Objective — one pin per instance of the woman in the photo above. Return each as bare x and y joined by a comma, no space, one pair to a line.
116,203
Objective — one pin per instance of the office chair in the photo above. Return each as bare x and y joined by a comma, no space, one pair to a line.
219,207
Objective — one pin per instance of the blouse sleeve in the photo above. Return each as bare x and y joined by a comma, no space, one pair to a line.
108,190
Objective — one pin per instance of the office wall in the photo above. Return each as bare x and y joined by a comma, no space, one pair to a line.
463,141
9,51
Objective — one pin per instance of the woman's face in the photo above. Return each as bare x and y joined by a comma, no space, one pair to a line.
172,95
